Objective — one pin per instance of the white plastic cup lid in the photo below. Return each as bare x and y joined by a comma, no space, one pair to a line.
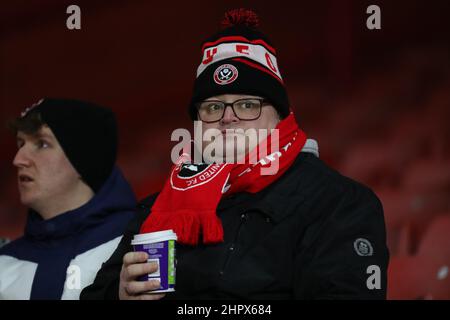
153,237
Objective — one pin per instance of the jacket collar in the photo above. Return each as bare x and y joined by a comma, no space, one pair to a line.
115,196
285,196
275,202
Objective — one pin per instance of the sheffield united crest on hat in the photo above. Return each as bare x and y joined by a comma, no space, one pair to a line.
225,74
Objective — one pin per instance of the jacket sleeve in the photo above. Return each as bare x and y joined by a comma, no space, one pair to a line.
344,254
106,283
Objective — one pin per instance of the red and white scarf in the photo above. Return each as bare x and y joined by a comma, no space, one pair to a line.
187,203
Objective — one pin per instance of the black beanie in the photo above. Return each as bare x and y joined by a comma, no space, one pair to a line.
239,60
86,132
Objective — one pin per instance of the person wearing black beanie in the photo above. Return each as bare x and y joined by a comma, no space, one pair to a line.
249,60
86,132
78,200
302,231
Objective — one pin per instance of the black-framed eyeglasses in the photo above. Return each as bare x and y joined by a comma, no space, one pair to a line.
246,109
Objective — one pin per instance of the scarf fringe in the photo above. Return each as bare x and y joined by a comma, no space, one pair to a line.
212,228
187,225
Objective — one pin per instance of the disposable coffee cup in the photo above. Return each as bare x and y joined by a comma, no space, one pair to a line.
160,247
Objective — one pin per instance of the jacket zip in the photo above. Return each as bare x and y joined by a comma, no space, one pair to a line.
232,247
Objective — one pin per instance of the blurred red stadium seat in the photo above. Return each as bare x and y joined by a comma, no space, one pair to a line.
428,174
366,162
407,215
426,274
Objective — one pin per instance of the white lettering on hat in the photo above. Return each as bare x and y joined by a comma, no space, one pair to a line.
255,52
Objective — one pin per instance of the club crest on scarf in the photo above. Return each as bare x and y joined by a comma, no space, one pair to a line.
190,175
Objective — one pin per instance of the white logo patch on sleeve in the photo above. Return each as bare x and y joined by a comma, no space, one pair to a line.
363,247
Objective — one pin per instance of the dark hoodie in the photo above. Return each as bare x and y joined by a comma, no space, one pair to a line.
35,266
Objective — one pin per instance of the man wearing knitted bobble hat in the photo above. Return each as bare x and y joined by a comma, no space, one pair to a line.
303,232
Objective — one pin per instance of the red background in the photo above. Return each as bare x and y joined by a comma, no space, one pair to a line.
377,101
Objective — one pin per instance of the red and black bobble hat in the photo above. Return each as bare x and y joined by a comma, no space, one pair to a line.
239,59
